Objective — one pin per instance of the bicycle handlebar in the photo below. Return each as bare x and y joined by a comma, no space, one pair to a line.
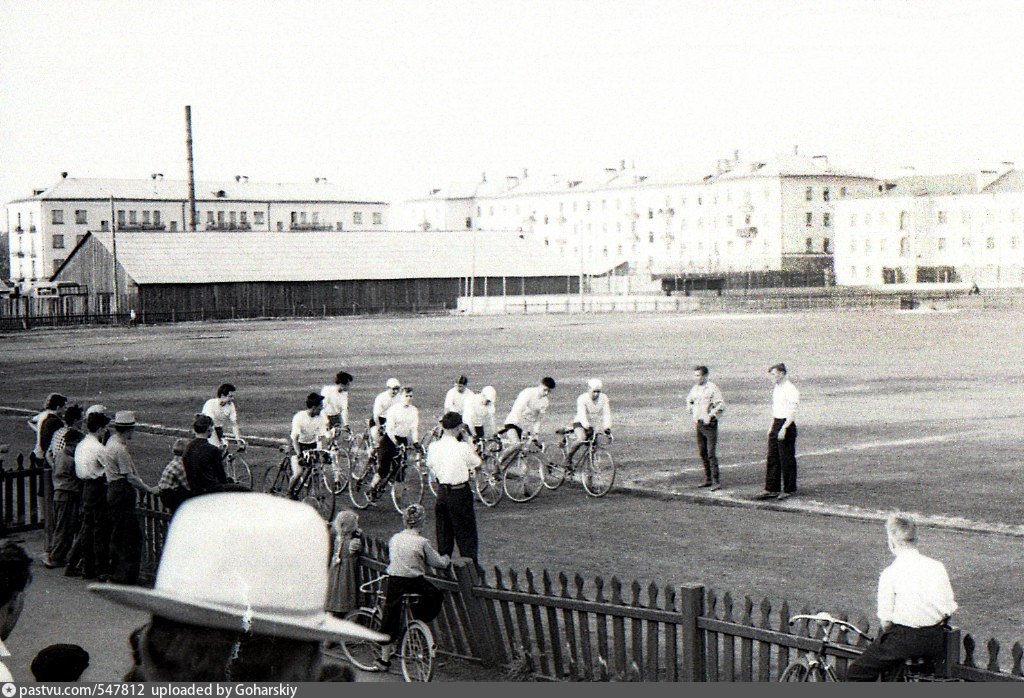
830,621
367,587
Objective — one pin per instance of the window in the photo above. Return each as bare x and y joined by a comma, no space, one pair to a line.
853,272
357,218
904,220
257,217
57,216
881,245
650,238
867,273
943,217
826,246
338,226
220,219
469,223
842,192
827,219
145,217
378,218
853,221
156,218
303,217
809,194
80,217
120,219
244,217
316,217
808,219
824,194
700,200
904,246
588,205
133,217
58,242
56,264
867,245
280,226
809,244
174,226
650,213
233,221
990,243
210,220
728,221
941,243
965,242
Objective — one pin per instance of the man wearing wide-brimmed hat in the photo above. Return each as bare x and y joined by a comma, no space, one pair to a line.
122,482
237,598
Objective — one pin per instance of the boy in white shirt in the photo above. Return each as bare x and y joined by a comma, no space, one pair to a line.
309,431
592,407
336,400
222,411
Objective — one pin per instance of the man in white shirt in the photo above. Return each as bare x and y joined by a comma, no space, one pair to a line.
780,468
453,462
222,411
309,431
455,398
592,407
90,553
480,408
528,410
381,404
706,403
401,427
336,400
915,599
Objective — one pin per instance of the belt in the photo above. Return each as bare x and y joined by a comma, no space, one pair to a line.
460,486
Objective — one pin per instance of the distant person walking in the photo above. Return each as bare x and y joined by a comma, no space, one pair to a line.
780,468
706,404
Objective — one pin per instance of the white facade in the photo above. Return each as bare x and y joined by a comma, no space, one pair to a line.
44,229
961,228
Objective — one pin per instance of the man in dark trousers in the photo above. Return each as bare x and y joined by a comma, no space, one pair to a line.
453,463
204,467
780,466
90,553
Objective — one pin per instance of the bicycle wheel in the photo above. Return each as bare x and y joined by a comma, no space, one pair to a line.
794,673
337,472
598,472
521,480
317,495
417,652
432,482
240,471
275,480
362,653
816,673
359,488
407,487
488,482
552,474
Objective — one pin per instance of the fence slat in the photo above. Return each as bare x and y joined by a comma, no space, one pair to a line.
569,622
747,644
728,668
538,627
764,659
620,664
782,653
587,660
671,646
511,644
711,639
554,636
651,669
602,626
526,645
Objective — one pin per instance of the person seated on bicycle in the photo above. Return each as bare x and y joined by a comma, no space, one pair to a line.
401,428
478,409
592,407
411,557
336,400
915,599
222,411
527,411
309,431
381,404
455,398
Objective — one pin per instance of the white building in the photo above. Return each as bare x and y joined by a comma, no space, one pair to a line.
44,228
940,228
746,216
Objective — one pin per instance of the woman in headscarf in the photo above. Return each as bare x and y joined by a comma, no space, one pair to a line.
343,582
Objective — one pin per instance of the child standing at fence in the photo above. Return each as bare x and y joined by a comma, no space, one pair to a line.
342,583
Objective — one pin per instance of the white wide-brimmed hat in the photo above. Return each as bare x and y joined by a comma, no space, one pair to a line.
244,561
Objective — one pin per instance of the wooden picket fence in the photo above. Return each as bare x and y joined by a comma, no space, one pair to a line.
21,496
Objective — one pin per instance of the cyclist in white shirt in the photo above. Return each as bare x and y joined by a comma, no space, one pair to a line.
401,428
592,407
455,399
479,408
381,404
309,431
524,418
336,400
222,411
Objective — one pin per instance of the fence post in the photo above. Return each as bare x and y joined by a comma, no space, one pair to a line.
483,629
946,667
691,607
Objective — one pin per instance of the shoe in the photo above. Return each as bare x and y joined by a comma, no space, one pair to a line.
706,483
51,565
767,495
785,495
382,665
715,487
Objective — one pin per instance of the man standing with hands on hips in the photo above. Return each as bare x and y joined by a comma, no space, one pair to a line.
453,462
780,470
706,403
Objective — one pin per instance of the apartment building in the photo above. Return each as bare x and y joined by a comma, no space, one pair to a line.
44,228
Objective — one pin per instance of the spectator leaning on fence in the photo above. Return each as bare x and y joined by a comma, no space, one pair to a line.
67,488
235,598
46,424
915,599
122,482
173,484
15,577
90,553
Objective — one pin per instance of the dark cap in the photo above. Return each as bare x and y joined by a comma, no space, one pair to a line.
462,380
202,423
60,663
96,421
779,366
451,420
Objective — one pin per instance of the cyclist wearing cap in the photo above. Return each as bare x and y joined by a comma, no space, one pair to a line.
382,403
336,400
455,399
528,410
222,411
401,428
309,430
592,407
479,408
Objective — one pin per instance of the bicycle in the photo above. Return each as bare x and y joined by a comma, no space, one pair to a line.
313,486
597,469
488,480
416,648
815,667
235,466
405,481
521,470
340,446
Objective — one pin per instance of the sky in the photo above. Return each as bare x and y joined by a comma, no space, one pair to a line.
395,98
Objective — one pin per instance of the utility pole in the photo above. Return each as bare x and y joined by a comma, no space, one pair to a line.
116,306
191,172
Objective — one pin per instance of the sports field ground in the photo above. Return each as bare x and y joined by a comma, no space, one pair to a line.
919,411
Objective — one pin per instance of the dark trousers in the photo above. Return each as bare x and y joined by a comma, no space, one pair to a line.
893,647
91,548
387,452
125,533
66,522
455,522
707,445
781,466
425,608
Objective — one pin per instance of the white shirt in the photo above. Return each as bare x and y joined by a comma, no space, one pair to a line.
474,412
785,399
335,402
382,403
306,429
451,460
404,421
914,591
222,415
527,410
705,400
588,411
90,458
454,401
